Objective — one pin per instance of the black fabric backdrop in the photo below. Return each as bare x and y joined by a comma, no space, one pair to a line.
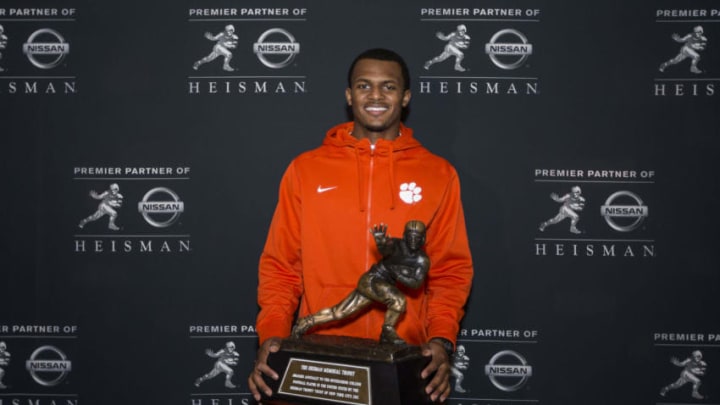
596,316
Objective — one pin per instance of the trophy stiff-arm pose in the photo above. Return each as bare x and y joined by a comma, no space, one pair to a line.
693,368
403,261
693,43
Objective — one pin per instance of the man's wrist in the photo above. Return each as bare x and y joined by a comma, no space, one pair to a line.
446,344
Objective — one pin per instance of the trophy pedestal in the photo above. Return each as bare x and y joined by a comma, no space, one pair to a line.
338,369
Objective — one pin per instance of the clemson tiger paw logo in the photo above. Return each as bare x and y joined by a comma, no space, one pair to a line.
410,193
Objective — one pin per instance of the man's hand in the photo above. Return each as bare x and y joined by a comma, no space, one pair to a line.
255,381
439,387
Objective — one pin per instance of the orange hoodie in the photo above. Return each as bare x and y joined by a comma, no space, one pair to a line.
319,242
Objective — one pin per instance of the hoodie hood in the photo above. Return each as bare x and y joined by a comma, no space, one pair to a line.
341,136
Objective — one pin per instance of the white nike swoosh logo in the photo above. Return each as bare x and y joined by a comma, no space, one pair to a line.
321,189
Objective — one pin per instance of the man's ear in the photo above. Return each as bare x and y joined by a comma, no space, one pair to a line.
407,95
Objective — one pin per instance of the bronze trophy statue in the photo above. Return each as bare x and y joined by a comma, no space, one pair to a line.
332,369
402,261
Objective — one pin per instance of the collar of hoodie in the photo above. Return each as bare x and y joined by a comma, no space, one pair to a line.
341,136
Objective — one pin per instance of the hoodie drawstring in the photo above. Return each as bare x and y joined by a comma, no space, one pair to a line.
358,172
391,175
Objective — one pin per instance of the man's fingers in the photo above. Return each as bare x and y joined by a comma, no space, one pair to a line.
263,368
439,386
256,383
274,347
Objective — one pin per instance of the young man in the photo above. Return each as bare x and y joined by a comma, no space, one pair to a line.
368,171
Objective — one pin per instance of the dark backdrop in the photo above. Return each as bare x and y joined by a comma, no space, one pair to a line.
596,316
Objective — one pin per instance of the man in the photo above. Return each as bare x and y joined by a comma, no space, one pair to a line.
456,41
693,43
368,171
572,203
111,199
224,41
403,262
227,358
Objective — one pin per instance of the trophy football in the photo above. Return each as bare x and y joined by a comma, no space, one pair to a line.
340,369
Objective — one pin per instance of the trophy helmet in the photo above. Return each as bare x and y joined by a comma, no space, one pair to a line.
415,226
414,234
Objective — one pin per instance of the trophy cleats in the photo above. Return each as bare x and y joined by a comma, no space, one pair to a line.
388,335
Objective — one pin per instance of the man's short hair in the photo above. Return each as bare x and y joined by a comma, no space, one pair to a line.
386,55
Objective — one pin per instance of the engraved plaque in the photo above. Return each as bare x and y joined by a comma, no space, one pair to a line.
328,381
319,369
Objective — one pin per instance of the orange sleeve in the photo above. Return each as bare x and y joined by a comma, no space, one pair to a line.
451,269
280,268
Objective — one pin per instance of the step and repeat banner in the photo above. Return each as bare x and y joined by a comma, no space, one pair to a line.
143,144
